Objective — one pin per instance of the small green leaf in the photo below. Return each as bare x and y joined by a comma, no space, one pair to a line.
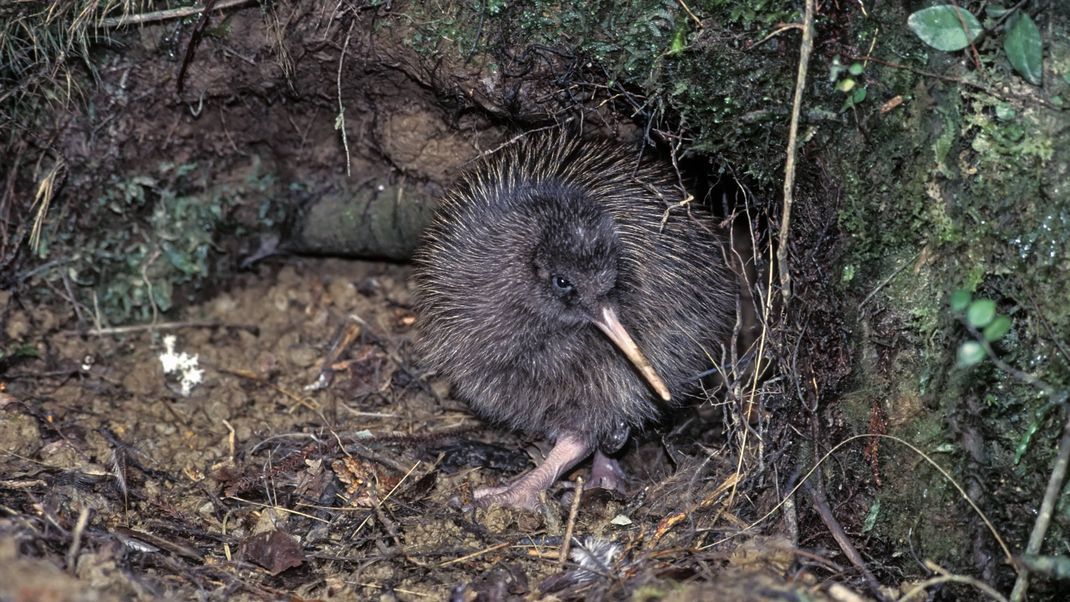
945,27
1039,415
871,516
855,69
163,295
981,312
970,353
1024,48
856,97
679,40
848,273
997,329
845,85
960,299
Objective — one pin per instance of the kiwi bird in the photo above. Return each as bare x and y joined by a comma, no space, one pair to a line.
565,291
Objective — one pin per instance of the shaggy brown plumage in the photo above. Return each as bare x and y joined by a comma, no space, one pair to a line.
562,288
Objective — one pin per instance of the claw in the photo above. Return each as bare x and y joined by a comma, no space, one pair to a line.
524,492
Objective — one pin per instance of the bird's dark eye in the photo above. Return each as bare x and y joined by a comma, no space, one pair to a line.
561,284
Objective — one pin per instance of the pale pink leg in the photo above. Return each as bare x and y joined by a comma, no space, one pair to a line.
524,492
607,474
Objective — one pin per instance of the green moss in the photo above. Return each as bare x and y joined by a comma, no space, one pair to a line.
708,81
969,184
170,224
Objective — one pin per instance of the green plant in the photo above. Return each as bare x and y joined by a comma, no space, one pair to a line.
950,28
981,317
846,79
171,221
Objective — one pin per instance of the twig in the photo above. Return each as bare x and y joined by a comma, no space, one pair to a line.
278,508
962,492
793,134
479,31
385,498
1017,374
687,9
1004,17
76,539
817,494
1047,506
46,190
145,265
166,15
101,331
340,120
668,522
516,139
747,407
566,542
477,553
958,80
966,31
885,282
779,30
407,592
924,585
191,46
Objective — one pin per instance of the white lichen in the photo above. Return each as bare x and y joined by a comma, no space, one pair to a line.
185,365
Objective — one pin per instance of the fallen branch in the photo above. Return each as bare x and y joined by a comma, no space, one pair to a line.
166,15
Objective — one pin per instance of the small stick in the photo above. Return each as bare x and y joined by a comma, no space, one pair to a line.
340,119
687,9
101,331
76,539
884,283
1047,506
817,494
562,556
793,134
924,585
477,553
166,15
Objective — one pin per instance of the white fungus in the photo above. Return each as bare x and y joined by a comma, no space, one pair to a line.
189,373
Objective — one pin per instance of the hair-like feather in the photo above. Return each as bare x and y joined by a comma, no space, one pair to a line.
551,199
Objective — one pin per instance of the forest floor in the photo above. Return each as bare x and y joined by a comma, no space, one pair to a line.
316,460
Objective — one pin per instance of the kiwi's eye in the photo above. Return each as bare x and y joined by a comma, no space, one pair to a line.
561,284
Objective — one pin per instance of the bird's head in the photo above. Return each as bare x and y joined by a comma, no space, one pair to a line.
575,265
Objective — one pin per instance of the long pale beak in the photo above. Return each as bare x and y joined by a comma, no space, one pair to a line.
608,323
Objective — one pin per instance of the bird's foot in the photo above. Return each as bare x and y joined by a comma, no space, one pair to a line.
606,473
524,492
510,496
